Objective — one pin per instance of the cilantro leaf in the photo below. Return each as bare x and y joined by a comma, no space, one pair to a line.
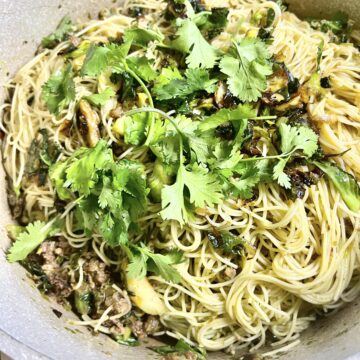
145,260
28,240
161,265
135,128
101,98
195,80
142,67
298,138
81,168
247,66
246,176
111,195
248,179
172,200
243,111
203,187
279,174
96,61
99,58
137,268
166,76
294,139
59,91
199,143
59,35
142,37
190,41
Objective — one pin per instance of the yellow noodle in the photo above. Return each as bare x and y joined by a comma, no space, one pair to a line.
307,255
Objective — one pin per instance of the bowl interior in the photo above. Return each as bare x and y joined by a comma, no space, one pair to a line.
28,326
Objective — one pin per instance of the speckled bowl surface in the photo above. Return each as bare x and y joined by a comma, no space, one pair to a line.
29,328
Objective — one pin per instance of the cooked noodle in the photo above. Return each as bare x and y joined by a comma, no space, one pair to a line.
306,256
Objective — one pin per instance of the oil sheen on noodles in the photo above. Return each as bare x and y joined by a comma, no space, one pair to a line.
307,255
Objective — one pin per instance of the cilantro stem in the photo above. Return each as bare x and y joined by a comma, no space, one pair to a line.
151,102
281,156
157,111
142,84
169,118
264,118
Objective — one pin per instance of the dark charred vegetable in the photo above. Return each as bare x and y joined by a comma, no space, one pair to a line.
338,25
325,82
16,203
42,154
265,35
298,117
128,85
177,9
225,131
216,22
300,181
283,86
270,17
33,265
57,313
135,11
223,97
174,10
83,301
182,349
227,242
250,147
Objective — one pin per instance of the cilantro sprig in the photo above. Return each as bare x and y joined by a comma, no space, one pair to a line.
247,65
189,40
195,80
29,238
110,195
101,98
144,260
60,34
59,91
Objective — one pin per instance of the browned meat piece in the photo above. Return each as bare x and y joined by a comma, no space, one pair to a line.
60,285
58,279
152,325
16,203
97,271
137,328
47,251
117,329
119,304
